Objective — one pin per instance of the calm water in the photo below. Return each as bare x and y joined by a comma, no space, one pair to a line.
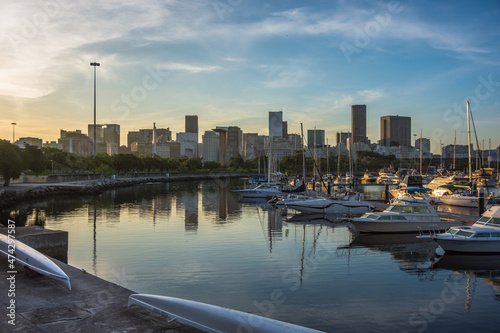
195,240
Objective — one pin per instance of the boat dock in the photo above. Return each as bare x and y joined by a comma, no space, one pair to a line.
42,304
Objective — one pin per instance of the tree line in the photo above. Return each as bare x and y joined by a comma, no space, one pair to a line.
14,161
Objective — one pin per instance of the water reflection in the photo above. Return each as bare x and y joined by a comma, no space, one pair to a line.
411,253
479,266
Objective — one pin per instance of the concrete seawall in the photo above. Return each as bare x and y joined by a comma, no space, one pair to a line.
41,304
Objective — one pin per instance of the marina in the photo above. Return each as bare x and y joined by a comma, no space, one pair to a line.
199,241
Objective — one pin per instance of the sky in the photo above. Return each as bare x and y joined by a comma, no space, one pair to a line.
232,61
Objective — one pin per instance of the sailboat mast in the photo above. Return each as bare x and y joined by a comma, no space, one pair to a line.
338,158
328,159
303,155
269,160
454,146
468,142
421,153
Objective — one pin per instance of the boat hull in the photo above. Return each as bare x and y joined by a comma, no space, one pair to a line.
32,259
389,227
460,201
257,193
211,318
331,207
469,246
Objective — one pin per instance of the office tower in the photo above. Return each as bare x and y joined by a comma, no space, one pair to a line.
342,137
189,144
358,123
285,130
276,124
222,143
320,138
210,146
192,124
395,131
234,141
426,145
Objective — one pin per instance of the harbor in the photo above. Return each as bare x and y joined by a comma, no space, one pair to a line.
198,240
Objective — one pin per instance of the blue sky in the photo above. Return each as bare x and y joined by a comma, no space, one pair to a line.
232,61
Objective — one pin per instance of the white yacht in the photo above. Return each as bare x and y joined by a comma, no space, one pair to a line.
403,216
285,199
260,191
482,237
331,206
460,199
386,178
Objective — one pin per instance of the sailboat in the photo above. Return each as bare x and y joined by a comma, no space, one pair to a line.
463,199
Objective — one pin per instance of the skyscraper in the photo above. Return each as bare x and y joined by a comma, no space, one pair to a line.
275,124
358,123
210,146
320,138
192,124
395,131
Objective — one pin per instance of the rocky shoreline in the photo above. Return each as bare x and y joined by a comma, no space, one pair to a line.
24,192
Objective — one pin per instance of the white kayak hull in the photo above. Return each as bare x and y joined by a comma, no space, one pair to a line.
31,258
211,318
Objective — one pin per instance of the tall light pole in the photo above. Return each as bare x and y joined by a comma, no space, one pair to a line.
95,64
14,133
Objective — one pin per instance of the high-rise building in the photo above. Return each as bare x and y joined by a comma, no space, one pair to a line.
192,124
320,138
234,141
210,146
285,130
189,144
358,123
250,145
76,142
426,145
276,124
395,131
105,133
146,136
342,137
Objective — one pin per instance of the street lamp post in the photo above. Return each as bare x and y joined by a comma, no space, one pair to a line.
95,64
14,133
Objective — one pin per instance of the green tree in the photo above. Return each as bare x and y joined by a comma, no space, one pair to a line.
211,165
11,163
33,159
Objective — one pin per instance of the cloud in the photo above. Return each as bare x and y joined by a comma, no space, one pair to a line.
189,68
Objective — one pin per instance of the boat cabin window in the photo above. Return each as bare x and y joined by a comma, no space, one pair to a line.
465,233
495,234
385,217
495,221
452,231
373,217
482,234
421,210
483,220
399,218
400,209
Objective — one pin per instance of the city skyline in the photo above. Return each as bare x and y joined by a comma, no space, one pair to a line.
232,62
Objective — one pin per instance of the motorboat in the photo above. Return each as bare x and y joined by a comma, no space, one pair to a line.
460,199
416,193
403,216
349,205
289,198
482,237
260,191
386,178
368,178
